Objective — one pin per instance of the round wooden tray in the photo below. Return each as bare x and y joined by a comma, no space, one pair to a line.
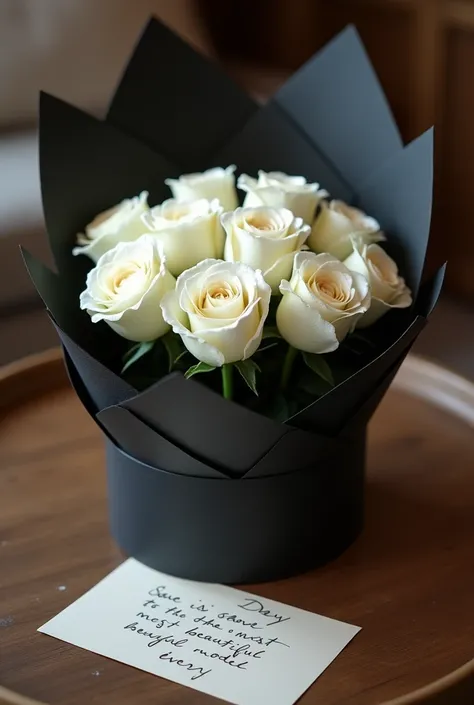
408,581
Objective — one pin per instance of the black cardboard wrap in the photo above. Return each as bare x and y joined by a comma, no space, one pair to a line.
238,531
281,147
337,101
188,108
199,486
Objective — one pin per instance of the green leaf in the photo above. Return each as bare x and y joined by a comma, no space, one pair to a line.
136,352
267,347
319,366
181,355
270,332
198,368
248,370
173,348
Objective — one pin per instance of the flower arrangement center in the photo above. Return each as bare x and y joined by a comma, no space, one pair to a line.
267,223
221,291
331,288
126,277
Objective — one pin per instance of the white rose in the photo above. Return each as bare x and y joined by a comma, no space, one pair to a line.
188,231
388,289
266,239
125,289
214,183
219,308
334,226
122,223
321,303
279,190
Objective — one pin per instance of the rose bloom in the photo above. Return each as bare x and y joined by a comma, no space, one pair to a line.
266,239
387,287
214,183
188,231
126,287
122,223
279,190
335,226
218,308
321,303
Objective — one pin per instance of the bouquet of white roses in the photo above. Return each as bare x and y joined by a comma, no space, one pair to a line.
233,341
219,285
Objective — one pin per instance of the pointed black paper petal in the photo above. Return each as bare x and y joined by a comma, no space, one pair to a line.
63,303
146,445
269,141
104,387
180,410
399,195
337,100
429,293
329,414
86,167
80,389
77,384
175,100
64,306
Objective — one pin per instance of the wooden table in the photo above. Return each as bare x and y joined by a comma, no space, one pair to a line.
408,581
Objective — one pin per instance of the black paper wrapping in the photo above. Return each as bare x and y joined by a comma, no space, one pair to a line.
199,486
238,532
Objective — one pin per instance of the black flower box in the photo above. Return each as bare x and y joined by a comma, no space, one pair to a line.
199,486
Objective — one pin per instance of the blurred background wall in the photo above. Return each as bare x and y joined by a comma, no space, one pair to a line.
423,52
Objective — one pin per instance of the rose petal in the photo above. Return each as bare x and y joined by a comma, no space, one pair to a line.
302,326
260,249
336,224
282,191
214,183
201,324
177,319
126,287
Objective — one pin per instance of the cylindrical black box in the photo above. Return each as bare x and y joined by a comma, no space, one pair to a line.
238,530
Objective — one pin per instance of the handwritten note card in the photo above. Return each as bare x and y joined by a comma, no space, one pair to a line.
239,647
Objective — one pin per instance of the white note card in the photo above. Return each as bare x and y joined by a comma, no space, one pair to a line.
225,642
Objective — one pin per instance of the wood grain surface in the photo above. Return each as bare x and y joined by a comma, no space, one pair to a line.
408,581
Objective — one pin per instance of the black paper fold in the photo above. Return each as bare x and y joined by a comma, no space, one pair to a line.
176,101
104,386
399,195
88,166
337,100
430,292
142,442
334,409
221,433
61,298
271,142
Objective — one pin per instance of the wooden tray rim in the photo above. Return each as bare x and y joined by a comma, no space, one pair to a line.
417,377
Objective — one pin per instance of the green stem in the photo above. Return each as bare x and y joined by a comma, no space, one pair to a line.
227,381
291,353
